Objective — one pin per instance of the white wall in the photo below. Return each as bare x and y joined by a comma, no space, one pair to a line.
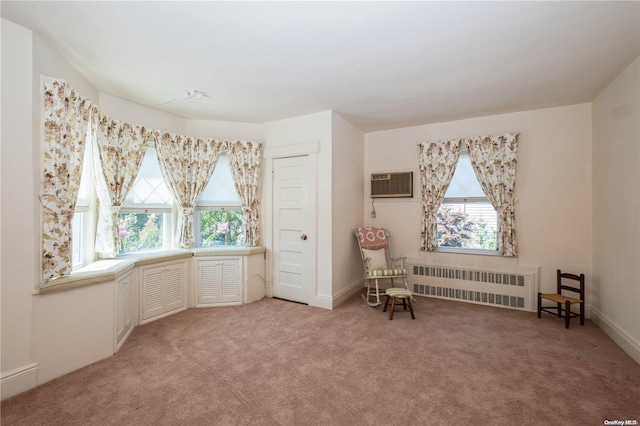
72,329
18,276
131,112
33,326
231,130
616,209
553,188
347,190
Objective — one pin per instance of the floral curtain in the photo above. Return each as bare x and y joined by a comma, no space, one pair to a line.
187,165
66,117
245,159
438,160
119,149
494,160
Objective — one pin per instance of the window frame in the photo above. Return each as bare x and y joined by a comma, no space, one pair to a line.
168,210
79,239
466,200
87,207
216,205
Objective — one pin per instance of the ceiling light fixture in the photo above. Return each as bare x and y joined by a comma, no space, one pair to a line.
195,95
190,96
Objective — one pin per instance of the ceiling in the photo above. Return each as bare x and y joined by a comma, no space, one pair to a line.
380,65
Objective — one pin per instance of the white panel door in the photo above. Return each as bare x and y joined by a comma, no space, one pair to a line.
291,242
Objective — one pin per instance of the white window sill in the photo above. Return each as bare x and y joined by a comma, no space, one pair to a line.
460,250
111,269
227,251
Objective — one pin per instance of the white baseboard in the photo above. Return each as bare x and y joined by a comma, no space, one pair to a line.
18,380
322,301
622,339
348,291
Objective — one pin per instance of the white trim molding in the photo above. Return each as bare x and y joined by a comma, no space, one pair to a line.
292,150
322,301
347,292
19,380
617,334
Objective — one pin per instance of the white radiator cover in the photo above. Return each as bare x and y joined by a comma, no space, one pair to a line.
507,288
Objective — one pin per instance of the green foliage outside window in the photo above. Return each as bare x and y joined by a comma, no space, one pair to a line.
221,227
457,229
140,231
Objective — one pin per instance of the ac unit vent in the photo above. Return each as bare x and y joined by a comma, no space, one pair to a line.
392,185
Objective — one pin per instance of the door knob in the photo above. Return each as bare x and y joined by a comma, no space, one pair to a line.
303,237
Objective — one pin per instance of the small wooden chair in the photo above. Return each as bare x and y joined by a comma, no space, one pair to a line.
561,300
398,293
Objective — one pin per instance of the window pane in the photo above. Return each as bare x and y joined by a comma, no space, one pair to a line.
149,188
221,227
220,190
141,231
464,183
77,249
467,225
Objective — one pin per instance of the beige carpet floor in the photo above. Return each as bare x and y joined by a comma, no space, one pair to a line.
274,362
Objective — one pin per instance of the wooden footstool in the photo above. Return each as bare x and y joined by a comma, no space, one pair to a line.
398,293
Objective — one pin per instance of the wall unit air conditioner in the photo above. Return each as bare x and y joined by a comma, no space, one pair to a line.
392,185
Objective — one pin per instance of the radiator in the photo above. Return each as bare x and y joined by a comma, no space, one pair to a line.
513,289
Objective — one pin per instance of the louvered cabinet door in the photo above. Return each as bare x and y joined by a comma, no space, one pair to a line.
163,289
175,287
208,281
230,272
153,291
218,281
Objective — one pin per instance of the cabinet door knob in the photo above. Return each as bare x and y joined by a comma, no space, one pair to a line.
303,237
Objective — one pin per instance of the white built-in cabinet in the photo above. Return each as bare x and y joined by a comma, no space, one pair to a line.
162,289
151,287
125,304
228,276
218,281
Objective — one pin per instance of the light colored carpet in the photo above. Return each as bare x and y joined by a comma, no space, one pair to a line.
274,362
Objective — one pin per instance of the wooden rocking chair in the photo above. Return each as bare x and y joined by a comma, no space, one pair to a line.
375,250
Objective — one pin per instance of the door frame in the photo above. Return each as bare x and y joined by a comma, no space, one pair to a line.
311,150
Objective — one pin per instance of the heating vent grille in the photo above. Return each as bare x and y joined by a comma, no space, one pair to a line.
470,275
392,185
470,295
515,289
